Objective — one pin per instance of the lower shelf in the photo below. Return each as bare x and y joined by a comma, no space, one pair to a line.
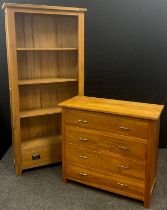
41,151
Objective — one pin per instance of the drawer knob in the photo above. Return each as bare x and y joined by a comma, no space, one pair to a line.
83,174
83,121
122,147
124,128
83,139
123,167
36,157
82,156
122,185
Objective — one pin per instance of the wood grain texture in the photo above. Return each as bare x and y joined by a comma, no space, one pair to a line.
45,81
126,126
133,109
81,53
45,96
47,49
59,31
43,47
105,181
121,146
40,112
48,147
14,93
47,65
63,146
107,162
151,162
35,127
31,6
109,150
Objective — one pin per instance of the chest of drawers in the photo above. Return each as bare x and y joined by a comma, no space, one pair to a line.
111,144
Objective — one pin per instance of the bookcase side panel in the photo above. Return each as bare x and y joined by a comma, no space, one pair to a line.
13,86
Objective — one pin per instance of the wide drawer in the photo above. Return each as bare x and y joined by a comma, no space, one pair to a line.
105,181
110,123
106,162
41,155
101,141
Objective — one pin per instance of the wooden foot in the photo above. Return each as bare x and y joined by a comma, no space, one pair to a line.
18,170
147,203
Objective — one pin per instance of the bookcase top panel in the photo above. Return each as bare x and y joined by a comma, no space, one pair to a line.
31,6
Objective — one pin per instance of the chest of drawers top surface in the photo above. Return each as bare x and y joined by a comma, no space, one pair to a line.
118,107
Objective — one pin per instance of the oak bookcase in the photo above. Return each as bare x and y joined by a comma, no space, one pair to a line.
45,47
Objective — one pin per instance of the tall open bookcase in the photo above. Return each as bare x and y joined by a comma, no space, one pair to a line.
45,47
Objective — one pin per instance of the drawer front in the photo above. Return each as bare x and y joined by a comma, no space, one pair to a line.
99,141
109,123
41,156
105,181
106,162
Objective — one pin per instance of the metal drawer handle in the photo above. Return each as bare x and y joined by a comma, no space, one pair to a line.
36,157
123,167
83,174
124,128
83,139
83,121
82,156
122,147
122,185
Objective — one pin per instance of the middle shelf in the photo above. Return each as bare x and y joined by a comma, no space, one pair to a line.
45,81
39,112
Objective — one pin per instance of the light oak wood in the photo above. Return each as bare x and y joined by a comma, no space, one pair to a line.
105,147
106,181
34,127
46,49
110,123
40,112
13,88
54,65
81,53
107,162
118,107
31,6
44,81
44,69
48,147
45,96
123,146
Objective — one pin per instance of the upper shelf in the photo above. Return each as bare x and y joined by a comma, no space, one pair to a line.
47,49
45,81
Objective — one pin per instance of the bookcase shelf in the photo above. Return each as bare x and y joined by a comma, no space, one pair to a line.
39,112
43,141
45,81
46,66
47,49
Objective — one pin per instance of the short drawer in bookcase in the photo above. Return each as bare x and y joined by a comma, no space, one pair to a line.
41,155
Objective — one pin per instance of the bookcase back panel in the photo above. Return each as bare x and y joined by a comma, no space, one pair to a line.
46,64
45,96
40,126
35,30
